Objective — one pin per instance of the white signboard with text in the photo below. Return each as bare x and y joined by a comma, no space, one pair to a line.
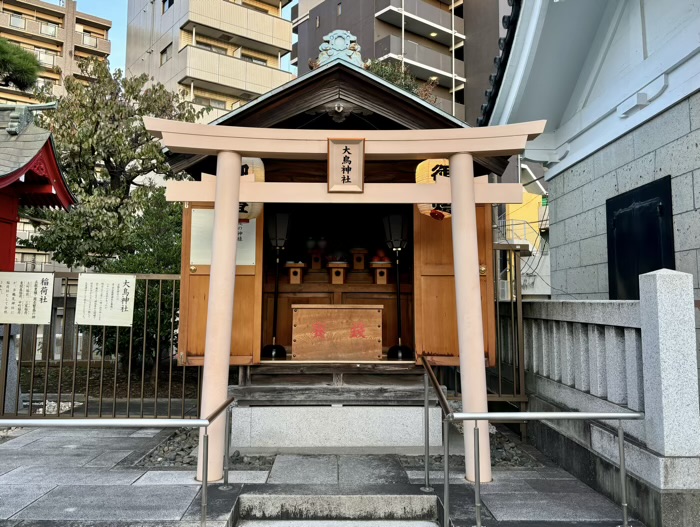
202,229
25,298
346,165
105,299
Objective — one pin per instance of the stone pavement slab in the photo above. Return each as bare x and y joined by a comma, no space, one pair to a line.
306,470
38,475
112,503
370,470
14,498
108,459
542,507
417,477
220,504
93,442
187,477
65,457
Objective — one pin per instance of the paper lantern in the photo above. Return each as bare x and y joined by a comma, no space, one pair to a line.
427,173
254,166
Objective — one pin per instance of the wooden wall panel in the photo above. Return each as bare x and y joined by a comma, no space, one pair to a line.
194,296
435,300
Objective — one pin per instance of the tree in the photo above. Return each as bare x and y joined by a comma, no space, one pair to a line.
399,76
110,163
18,66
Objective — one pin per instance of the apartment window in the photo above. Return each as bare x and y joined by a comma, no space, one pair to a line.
166,54
318,21
89,40
46,57
45,83
212,103
254,60
167,4
340,8
17,21
47,28
211,47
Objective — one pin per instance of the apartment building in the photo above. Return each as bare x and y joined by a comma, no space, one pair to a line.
433,38
59,35
221,53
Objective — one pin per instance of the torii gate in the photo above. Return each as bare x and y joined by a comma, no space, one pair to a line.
228,189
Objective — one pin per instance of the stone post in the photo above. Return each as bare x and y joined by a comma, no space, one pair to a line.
222,278
7,342
672,416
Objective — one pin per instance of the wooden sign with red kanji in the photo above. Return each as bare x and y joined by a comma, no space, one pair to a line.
345,332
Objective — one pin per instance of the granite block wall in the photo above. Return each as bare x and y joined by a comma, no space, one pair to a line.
668,144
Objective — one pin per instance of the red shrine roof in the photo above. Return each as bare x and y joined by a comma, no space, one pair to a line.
29,169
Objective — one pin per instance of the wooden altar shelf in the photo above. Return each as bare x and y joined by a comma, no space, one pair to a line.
353,332
295,272
381,272
338,272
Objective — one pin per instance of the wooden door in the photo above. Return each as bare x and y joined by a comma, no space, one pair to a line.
194,298
434,285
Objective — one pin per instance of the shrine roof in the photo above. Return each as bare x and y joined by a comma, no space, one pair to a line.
29,169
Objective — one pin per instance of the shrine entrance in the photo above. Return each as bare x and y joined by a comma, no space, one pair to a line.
340,149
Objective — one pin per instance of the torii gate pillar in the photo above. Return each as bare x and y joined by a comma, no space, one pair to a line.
470,329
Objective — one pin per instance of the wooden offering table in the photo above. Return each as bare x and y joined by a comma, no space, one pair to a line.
352,332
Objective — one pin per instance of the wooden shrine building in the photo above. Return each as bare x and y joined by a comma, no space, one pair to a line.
335,169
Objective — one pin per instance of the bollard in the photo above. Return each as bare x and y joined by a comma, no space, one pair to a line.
426,426
477,475
205,474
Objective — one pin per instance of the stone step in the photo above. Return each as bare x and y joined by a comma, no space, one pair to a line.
362,505
339,523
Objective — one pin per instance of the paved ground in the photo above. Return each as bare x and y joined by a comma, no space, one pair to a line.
86,477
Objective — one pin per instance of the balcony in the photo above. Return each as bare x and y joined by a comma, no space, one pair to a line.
42,30
229,75
423,62
92,43
446,106
421,18
241,25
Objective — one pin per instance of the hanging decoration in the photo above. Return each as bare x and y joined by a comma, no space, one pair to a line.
427,173
251,165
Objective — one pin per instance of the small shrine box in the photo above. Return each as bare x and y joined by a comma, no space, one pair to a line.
381,272
347,332
338,271
359,259
295,272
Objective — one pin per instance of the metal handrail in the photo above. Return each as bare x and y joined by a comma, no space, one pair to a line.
148,423
449,416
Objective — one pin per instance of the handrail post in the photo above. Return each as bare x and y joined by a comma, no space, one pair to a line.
227,450
426,426
205,474
446,465
477,474
623,473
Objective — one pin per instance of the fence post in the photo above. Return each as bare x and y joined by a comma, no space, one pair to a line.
669,361
426,426
205,474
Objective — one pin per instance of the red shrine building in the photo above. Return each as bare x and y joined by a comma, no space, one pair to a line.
29,174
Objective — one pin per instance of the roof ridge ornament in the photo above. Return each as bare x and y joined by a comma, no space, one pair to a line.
21,115
340,44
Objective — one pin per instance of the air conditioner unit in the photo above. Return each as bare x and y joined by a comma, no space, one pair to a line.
504,291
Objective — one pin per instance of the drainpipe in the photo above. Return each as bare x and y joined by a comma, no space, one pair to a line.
452,18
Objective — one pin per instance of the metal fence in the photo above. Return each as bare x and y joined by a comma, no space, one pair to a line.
63,369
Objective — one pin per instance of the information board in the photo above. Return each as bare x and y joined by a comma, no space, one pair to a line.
25,298
105,299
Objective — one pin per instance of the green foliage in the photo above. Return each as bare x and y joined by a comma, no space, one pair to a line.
111,163
17,66
399,76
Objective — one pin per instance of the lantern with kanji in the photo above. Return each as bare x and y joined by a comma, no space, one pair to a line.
254,166
427,173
